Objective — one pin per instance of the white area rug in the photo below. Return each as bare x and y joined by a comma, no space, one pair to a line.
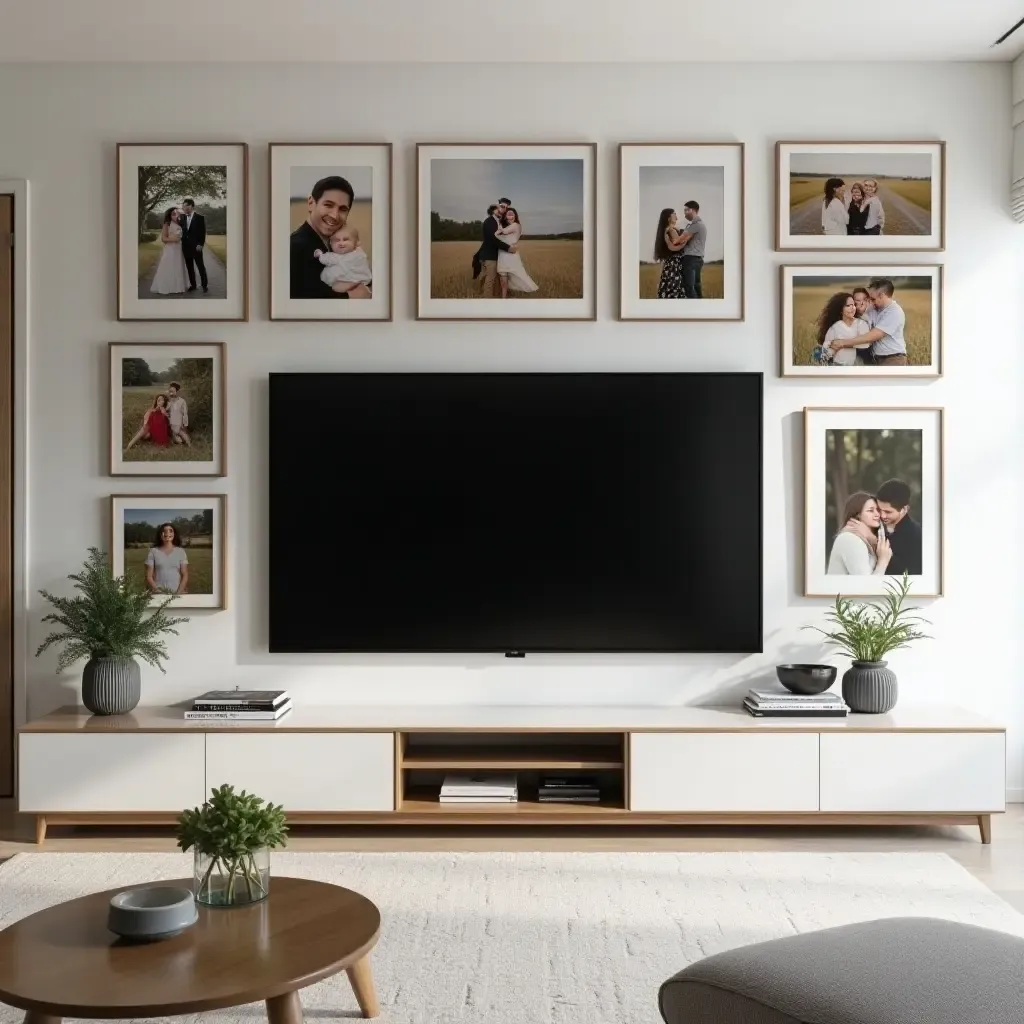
553,938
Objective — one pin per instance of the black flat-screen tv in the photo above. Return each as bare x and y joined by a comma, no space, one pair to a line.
515,512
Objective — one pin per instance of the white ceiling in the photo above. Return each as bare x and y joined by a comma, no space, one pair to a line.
520,30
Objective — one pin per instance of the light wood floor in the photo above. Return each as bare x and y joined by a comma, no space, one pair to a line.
999,866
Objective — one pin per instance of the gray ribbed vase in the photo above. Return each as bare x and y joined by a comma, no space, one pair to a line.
111,686
869,687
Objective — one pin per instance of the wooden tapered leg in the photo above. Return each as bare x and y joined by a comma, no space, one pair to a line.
286,1009
361,978
985,827
40,839
31,1017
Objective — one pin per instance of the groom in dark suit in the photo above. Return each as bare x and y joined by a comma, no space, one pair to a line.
193,238
489,246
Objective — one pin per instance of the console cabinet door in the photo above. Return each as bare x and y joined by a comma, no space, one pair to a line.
307,771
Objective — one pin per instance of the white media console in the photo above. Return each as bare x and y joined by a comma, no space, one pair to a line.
659,765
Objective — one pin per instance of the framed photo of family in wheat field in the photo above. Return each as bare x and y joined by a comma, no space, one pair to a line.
506,232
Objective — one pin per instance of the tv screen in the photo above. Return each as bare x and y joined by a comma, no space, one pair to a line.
515,512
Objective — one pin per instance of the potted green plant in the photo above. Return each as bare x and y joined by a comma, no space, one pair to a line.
232,835
113,621
868,632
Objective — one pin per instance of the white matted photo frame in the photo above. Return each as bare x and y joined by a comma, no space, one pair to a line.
873,500
175,544
331,231
860,196
682,231
506,231
182,231
877,320
168,409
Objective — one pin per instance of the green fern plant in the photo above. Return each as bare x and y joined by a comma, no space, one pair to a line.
113,617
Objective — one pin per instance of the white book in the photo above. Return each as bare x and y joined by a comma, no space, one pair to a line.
449,799
238,716
475,785
828,695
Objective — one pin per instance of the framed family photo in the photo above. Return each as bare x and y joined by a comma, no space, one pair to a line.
860,196
330,231
682,231
873,481
182,231
168,409
861,321
506,232
175,545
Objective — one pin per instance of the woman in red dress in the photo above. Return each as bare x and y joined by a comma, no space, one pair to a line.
156,426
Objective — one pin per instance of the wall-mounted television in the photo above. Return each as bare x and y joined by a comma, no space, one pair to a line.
515,512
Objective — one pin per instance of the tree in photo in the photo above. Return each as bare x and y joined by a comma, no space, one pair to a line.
164,184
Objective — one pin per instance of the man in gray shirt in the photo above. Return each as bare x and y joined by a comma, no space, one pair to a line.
886,319
693,239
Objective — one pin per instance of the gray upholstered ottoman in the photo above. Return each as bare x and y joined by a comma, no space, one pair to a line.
900,970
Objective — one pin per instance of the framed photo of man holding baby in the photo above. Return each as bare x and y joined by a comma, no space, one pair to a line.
330,231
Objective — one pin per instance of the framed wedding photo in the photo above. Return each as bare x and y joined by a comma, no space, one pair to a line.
873,500
168,409
682,231
860,196
861,321
182,232
175,545
330,231
506,232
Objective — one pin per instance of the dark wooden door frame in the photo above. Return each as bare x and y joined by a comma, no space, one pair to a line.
7,448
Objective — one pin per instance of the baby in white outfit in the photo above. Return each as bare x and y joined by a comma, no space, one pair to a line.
346,262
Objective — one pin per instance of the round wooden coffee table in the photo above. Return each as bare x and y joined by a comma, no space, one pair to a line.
63,962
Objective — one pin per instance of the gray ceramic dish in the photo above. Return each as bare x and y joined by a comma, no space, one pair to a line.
155,912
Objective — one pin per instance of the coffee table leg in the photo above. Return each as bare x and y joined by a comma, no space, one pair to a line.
284,1009
31,1017
361,977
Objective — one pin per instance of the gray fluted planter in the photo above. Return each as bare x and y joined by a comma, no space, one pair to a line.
111,686
869,687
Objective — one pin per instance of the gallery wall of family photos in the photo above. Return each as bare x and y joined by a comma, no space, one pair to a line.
508,232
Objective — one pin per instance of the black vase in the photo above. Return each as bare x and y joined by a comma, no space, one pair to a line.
111,686
869,687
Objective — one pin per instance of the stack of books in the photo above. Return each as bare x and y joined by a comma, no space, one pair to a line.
479,789
240,706
565,789
783,704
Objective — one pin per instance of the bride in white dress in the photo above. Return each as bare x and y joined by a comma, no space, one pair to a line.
170,277
511,271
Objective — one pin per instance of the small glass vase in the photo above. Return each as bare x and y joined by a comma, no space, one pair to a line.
232,882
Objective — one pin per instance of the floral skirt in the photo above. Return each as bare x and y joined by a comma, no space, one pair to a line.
671,284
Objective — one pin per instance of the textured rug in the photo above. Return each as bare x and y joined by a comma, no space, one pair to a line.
552,938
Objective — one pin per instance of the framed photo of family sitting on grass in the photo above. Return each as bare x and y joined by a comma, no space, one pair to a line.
182,232
168,409
175,545
506,232
860,196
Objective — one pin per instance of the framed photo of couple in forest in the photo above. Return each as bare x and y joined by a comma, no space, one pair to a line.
506,232
182,232
330,231
861,196
167,409
873,500
681,247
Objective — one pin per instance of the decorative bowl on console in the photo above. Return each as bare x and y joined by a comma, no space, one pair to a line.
806,679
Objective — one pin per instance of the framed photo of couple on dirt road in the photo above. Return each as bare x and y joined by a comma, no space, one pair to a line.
330,231
506,232
860,196
873,495
182,231
168,409
682,231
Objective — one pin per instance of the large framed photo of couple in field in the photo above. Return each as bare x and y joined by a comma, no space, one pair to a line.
330,231
172,544
682,231
182,231
506,232
873,482
168,409
861,321
861,196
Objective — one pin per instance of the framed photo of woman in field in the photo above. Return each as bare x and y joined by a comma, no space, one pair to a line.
861,321
861,196
175,545
168,409
506,232
182,232
681,246
873,500
330,231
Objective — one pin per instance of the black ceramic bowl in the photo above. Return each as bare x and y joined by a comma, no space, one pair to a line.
806,679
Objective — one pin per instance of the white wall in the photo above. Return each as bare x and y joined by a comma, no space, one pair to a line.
58,127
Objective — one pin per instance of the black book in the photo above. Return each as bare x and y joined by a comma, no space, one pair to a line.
260,700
